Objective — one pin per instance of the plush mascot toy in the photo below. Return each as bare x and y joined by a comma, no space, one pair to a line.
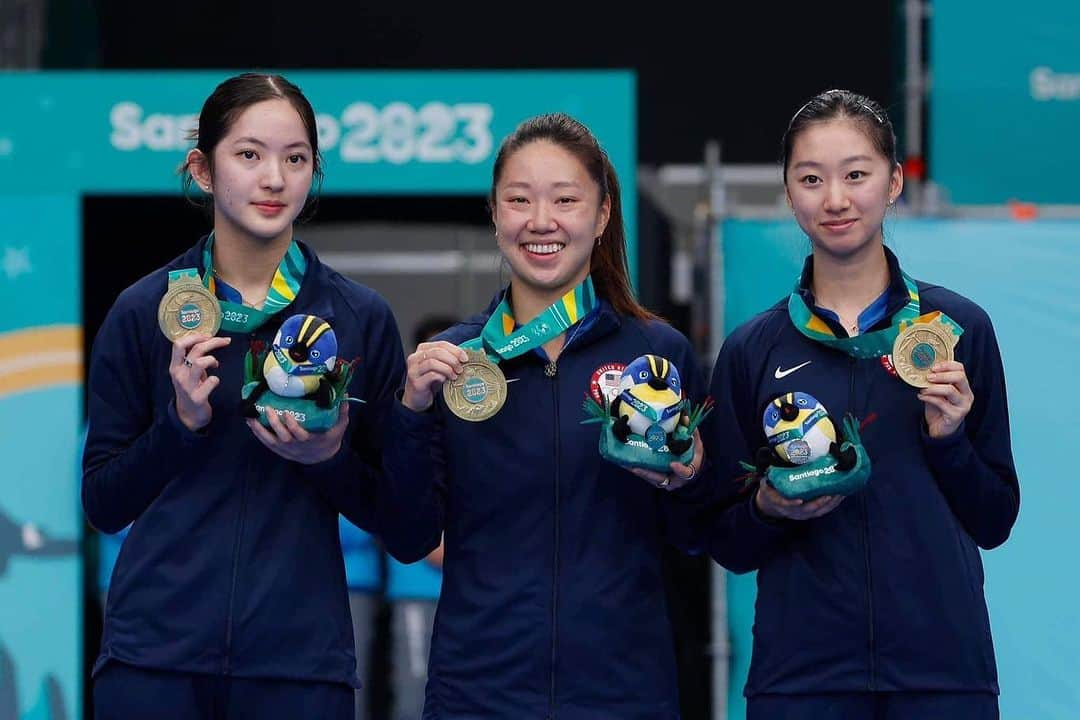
807,454
649,424
300,375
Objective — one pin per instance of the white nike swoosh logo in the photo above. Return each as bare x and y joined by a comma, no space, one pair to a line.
781,374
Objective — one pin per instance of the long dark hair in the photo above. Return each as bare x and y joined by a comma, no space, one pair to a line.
608,266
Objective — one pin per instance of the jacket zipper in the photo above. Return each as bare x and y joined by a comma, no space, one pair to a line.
865,512
551,370
236,566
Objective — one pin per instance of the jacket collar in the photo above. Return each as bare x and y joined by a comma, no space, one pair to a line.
601,322
313,298
897,292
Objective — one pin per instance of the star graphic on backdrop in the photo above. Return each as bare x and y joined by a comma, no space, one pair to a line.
16,262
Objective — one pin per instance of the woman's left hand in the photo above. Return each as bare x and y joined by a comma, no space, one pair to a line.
680,474
948,399
292,442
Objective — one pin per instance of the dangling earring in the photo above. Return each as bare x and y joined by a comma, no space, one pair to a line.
597,241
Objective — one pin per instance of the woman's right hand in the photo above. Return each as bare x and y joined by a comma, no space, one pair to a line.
431,365
774,505
191,359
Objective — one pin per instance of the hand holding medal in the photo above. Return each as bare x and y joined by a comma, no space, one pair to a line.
923,356
948,398
191,360
920,348
930,339
478,391
428,369
189,316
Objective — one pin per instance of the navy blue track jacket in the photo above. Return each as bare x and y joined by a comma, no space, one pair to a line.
885,593
233,564
552,603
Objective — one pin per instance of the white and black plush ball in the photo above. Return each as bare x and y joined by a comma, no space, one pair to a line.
654,381
798,428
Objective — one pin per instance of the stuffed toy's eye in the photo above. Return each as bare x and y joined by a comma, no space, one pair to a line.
315,354
643,374
289,339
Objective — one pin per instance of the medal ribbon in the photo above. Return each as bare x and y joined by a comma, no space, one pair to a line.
872,344
649,411
291,368
239,318
797,433
501,341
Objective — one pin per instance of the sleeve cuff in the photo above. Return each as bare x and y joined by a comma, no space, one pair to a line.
186,435
946,453
410,420
331,465
701,490
776,525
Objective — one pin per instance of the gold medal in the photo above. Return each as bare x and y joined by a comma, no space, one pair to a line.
918,347
479,392
188,307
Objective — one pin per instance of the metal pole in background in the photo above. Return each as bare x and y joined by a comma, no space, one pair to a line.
22,32
914,102
710,272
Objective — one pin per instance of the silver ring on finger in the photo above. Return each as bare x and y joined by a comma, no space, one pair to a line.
665,482
693,471
187,363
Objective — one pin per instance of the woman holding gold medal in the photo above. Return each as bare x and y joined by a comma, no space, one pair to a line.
228,599
552,602
871,411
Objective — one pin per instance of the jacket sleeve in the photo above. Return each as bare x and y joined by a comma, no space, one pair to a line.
681,508
349,480
736,535
411,492
127,443
974,466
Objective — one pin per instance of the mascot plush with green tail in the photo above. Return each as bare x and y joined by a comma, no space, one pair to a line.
300,375
649,423
807,455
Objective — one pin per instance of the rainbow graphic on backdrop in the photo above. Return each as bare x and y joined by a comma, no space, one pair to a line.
40,357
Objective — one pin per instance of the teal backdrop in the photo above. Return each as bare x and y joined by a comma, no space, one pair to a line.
40,428
63,135
1005,100
1027,277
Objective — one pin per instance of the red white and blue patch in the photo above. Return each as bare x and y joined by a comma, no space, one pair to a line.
604,385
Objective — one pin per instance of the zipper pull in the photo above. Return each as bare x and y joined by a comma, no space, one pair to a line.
551,368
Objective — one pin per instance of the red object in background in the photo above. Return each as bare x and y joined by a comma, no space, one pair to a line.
915,168
1023,211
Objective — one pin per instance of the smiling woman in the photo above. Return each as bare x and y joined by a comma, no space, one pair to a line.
232,522
552,600
890,619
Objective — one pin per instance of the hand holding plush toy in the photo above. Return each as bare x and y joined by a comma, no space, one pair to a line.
809,455
300,375
649,424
